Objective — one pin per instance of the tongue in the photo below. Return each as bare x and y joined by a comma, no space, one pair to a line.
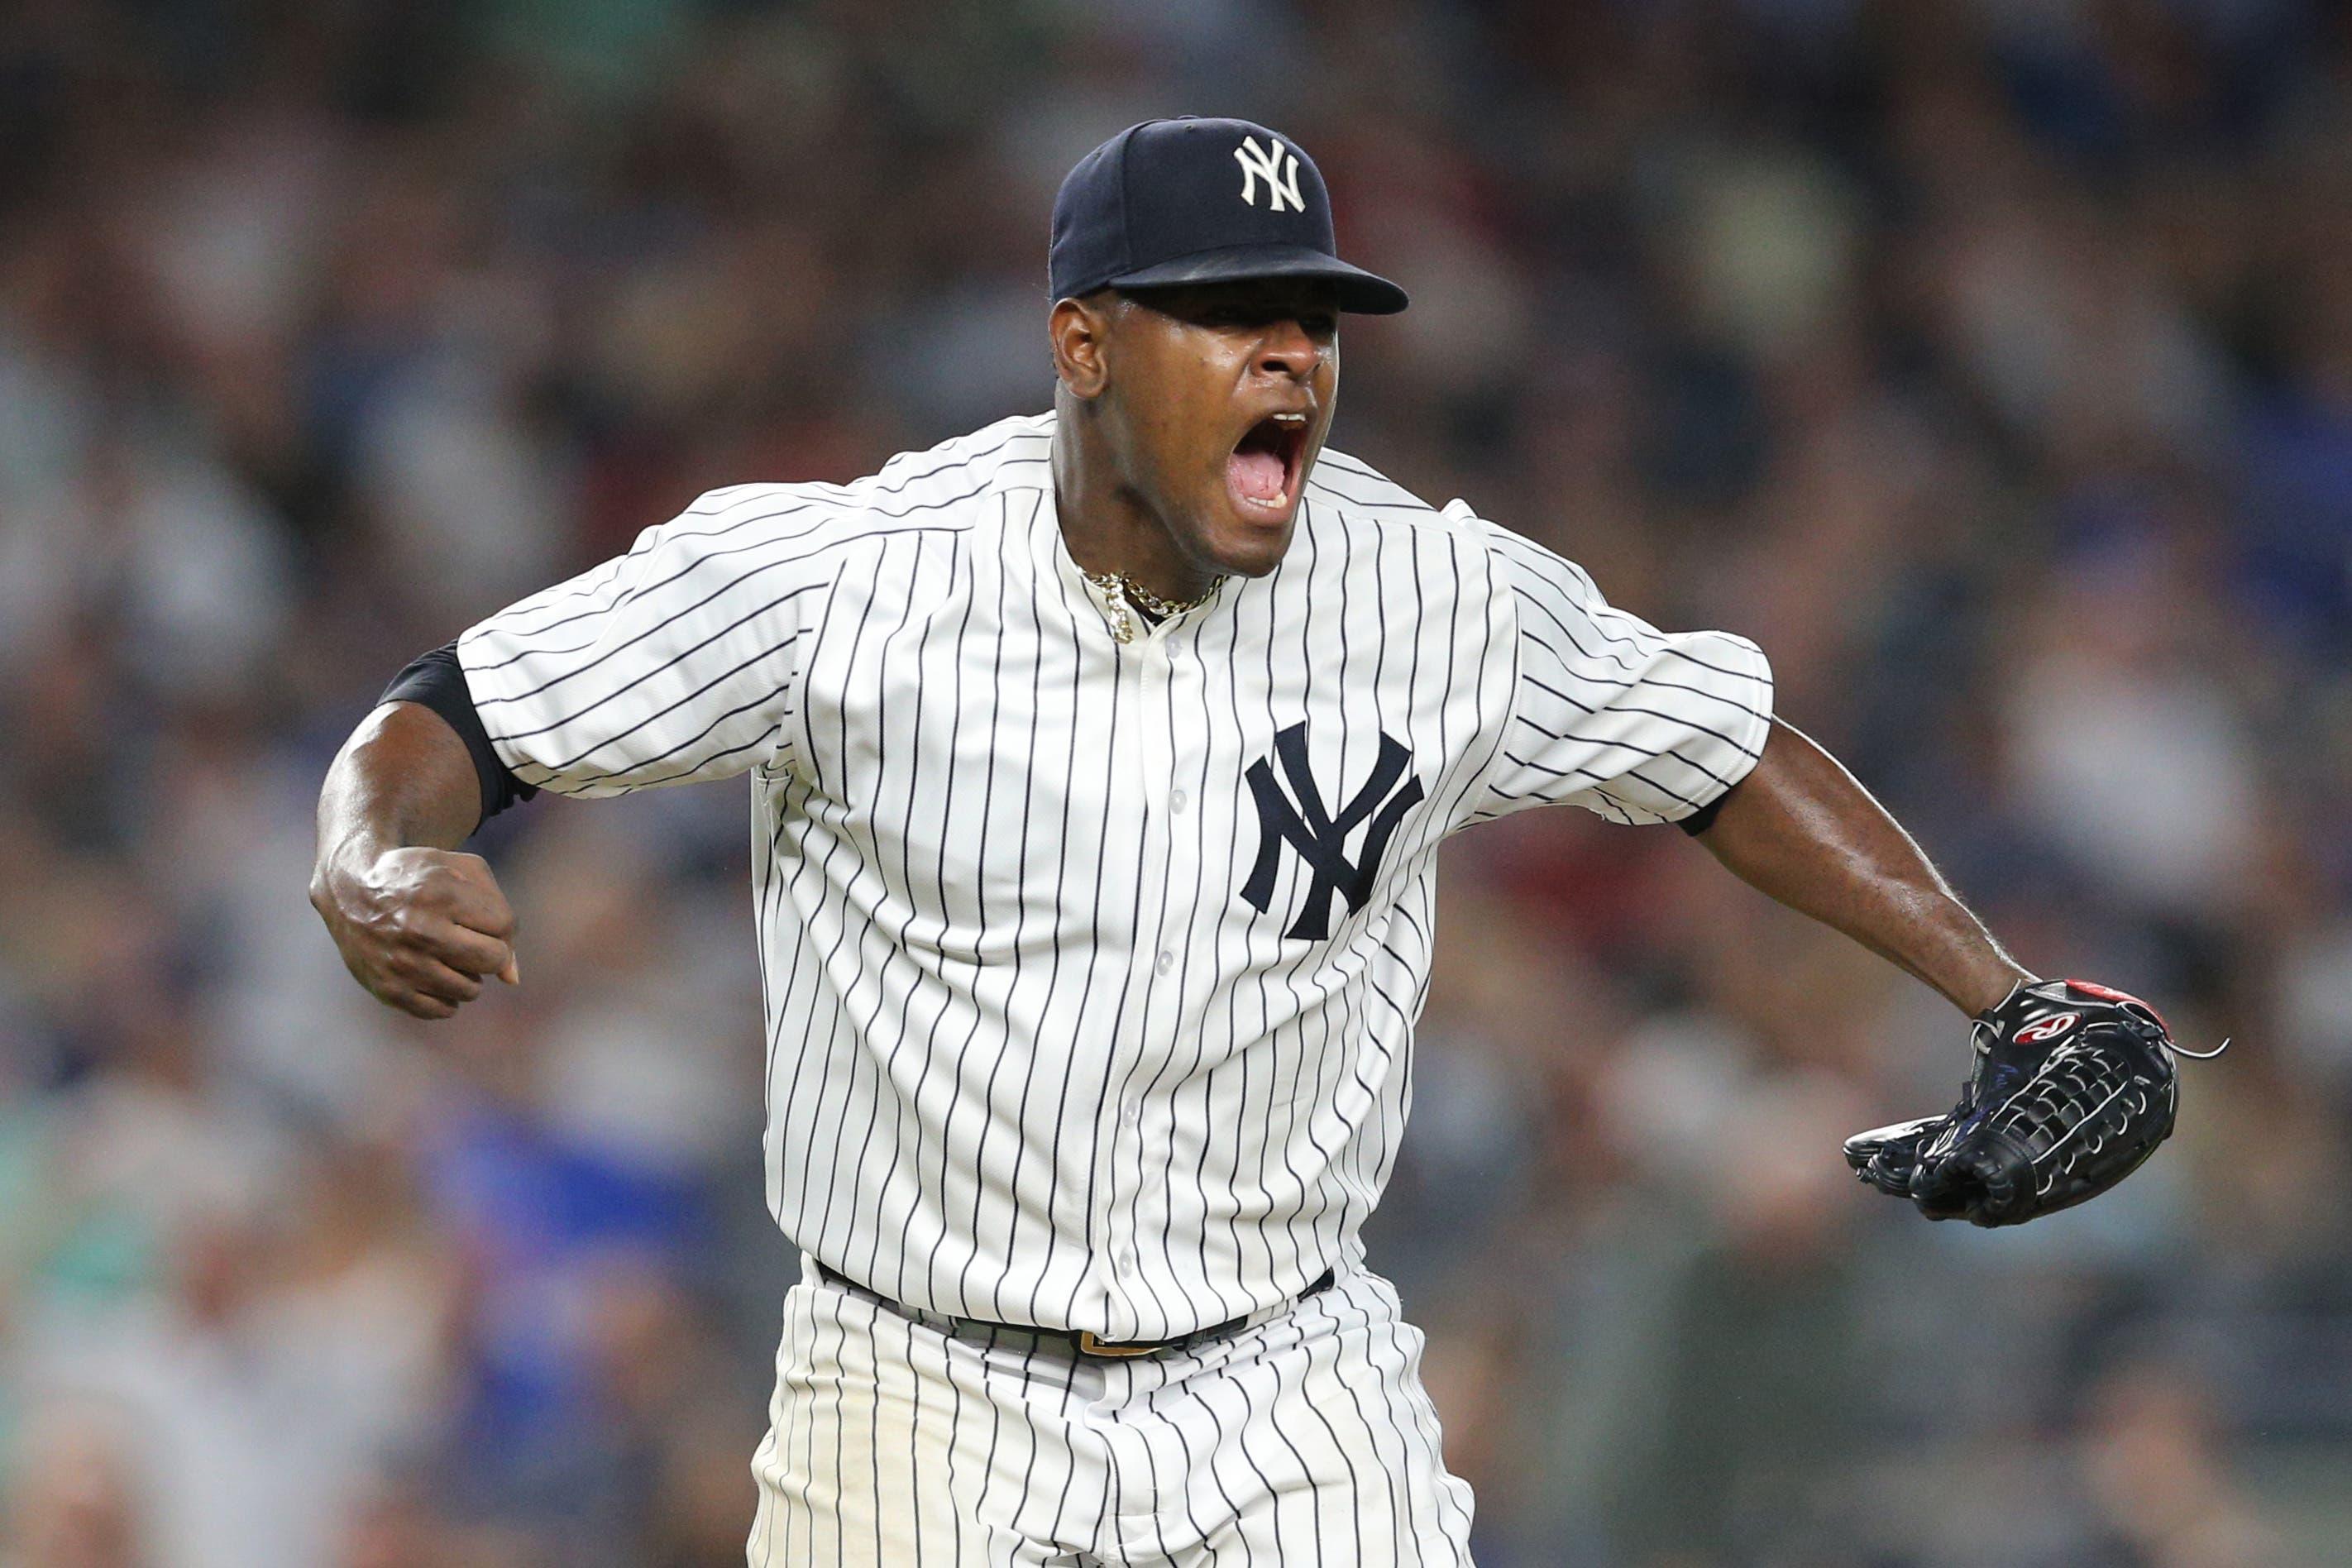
1255,475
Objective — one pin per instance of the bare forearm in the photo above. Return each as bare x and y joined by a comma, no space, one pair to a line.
1800,827
416,922
403,781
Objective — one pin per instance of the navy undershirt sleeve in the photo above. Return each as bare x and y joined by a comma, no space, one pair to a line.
438,681
1699,821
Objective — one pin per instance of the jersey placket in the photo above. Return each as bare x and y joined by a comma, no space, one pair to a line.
1146,766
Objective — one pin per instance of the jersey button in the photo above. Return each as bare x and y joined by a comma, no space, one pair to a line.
1178,801
1166,961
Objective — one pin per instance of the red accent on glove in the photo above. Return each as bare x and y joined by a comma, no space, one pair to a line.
2108,992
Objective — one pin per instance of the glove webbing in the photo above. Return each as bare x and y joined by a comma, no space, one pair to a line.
2069,1110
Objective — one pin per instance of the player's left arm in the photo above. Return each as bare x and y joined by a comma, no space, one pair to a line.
1802,828
2072,1084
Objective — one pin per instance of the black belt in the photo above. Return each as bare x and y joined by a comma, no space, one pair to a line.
1083,1341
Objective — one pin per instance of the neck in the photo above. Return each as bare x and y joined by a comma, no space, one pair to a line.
1106,525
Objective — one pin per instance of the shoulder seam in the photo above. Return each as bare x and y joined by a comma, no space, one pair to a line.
842,516
1499,586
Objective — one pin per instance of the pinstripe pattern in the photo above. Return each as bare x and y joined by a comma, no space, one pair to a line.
1032,1055
1304,1438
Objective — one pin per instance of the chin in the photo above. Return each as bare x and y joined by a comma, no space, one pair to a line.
1247,547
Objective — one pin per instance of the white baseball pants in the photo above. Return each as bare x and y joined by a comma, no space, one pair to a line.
1302,1439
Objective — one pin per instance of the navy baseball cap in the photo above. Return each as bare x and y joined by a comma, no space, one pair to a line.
1172,202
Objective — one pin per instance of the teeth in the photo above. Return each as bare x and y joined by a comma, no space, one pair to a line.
1291,419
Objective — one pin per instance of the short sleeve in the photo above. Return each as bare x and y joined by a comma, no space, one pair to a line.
1607,712
678,661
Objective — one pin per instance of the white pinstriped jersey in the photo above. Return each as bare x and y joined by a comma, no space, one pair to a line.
1091,966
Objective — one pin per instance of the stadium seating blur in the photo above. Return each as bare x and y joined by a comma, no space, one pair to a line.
1989,361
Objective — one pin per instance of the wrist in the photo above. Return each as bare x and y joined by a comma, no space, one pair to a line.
350,859
1989,988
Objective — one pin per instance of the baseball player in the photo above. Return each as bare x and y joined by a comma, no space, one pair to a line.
1099,763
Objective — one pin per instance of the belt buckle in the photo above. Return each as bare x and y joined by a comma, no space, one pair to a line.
1089,1344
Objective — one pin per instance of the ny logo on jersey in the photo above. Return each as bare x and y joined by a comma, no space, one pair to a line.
1279,164
1319,837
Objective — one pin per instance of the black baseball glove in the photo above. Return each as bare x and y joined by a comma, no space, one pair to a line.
2074,1086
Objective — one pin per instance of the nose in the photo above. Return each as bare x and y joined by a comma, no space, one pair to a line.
1286,350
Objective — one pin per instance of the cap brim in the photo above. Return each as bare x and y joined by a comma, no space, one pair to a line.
1355,290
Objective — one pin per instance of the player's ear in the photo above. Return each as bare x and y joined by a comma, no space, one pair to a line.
1080,330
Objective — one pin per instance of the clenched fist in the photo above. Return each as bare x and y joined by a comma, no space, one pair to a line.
421,929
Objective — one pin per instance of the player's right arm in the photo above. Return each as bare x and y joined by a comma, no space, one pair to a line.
418,923
678,661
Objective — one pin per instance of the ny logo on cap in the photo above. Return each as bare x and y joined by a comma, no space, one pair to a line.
1279,164
1321,837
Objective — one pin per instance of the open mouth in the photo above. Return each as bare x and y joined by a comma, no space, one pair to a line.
1264,471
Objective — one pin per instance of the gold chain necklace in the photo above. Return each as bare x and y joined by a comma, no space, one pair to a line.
1123,590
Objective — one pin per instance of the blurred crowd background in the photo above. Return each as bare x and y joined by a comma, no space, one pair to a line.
1988,360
